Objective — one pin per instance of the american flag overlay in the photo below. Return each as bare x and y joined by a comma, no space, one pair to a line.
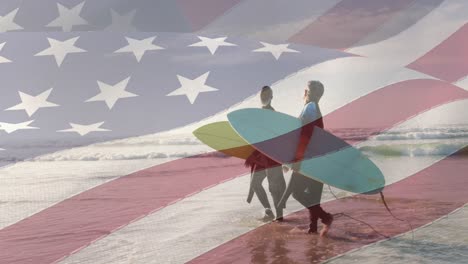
99,99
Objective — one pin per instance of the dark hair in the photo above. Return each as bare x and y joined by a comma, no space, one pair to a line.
265,88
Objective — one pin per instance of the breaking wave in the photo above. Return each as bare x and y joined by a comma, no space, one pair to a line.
417,150
450,132
413,142
107,156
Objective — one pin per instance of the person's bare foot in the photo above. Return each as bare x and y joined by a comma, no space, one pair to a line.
326,226
312,227
268,216
279,219
296,230
324,230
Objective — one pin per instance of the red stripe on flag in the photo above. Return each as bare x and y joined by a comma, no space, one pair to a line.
201,13
89,216
349,22
420,199
449,60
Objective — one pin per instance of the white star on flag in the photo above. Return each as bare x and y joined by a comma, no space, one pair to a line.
275,50
191,88
112,93
60,49
68,17
6,22
11,127
212,43
139,47
3,59
83,130
121,23
31,103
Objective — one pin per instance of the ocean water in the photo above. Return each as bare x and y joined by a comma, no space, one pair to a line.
408,142
171,236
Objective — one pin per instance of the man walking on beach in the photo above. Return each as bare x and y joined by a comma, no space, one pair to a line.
305,190
262,167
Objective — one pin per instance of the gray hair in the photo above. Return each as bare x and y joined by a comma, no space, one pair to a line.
315,91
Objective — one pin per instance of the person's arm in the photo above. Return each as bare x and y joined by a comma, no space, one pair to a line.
308,115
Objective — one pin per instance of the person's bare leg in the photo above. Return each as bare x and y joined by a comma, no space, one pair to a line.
276,186
279,214
257,180
313,218
326,225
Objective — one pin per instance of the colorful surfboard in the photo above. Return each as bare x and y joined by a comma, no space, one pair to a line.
223,138
327,158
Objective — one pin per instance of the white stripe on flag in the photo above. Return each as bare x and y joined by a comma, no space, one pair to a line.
420,38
